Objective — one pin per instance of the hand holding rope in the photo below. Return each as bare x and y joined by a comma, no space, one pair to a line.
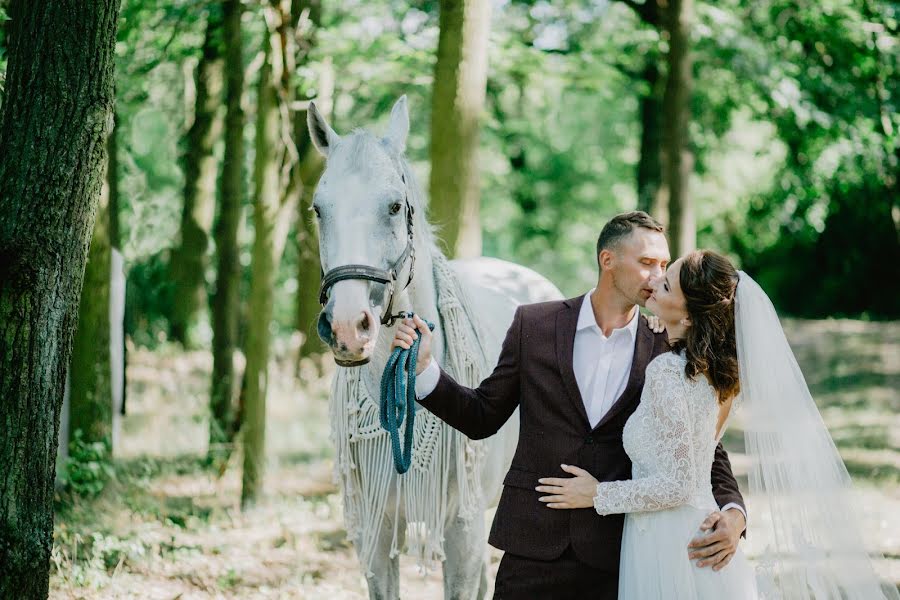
398,398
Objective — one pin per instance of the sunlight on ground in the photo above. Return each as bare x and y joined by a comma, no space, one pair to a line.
169,528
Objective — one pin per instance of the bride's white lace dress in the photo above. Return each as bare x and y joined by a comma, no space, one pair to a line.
671,440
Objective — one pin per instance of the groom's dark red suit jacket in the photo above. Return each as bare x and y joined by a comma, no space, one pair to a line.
534,372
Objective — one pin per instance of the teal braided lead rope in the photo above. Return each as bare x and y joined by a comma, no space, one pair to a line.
398,400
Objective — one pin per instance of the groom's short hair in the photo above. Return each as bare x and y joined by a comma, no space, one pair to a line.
622,225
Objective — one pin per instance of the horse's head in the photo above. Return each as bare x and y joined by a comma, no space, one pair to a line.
364,212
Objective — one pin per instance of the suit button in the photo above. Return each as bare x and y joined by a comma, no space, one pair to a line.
588,440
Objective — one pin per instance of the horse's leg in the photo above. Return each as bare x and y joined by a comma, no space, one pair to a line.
384,584
465,569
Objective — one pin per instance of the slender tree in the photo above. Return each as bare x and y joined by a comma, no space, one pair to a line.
55,117
649,168
90,374
189,257
678,159
307,15
460,77
226,299
276,191
650,187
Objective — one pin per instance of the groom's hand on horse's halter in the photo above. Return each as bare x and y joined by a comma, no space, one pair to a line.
716,548
407,332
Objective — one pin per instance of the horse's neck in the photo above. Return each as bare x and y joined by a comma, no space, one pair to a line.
421,298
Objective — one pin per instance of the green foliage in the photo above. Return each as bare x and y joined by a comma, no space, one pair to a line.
828,83
88,467
794,134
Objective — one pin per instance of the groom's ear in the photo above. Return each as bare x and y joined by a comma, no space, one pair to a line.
605,259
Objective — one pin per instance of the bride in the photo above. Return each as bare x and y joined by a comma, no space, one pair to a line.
728,348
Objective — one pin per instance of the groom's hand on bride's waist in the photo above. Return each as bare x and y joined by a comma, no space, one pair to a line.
717,547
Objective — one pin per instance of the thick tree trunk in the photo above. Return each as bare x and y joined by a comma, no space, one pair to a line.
649,168
679,161
55,117
276,188
189,258
460,77
225,302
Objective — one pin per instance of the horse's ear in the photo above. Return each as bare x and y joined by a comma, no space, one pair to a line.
398,129
320,132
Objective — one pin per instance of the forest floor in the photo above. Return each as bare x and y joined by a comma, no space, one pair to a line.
168,527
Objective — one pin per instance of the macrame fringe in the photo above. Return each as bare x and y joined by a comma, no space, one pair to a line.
364,468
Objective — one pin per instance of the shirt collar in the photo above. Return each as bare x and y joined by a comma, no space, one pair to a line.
586,318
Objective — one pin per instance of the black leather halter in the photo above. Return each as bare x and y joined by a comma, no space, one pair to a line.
387,277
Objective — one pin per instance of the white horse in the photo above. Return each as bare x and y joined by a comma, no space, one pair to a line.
370,214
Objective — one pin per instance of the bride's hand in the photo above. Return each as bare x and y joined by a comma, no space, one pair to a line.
572,492
655,325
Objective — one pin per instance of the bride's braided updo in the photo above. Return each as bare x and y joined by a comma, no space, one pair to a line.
709,281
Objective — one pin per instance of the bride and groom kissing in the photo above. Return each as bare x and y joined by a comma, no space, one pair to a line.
619,486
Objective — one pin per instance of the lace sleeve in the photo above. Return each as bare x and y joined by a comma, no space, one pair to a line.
669,436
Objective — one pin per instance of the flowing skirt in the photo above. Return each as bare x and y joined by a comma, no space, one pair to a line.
655,564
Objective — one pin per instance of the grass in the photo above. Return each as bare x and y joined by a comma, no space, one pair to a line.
166,526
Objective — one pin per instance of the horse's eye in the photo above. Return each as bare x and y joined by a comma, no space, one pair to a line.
316,210
395,208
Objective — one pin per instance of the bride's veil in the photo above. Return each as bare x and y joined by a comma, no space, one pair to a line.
814,544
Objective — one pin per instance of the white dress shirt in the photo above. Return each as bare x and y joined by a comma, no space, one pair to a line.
601,364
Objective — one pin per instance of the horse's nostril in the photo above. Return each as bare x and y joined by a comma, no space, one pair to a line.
323,328
364,323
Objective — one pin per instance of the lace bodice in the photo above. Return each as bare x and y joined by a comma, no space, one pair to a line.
670,439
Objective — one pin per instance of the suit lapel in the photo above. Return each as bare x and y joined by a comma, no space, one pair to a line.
643,348
566,321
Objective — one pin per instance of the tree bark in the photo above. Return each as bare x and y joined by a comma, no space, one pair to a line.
58,102
310,165
189,258
262,280
649,168
460,77
276,190
226,299
679,161
90,375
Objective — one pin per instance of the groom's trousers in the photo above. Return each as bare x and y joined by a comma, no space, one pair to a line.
563,578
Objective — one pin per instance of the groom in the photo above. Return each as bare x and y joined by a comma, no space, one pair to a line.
575,369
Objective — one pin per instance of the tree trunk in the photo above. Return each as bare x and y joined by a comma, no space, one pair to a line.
119,351
262,280
90,376
679,161
460,77
310,164
189,258
58,101
226,299
276,188
649,168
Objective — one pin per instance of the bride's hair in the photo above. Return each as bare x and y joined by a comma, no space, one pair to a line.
708,282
